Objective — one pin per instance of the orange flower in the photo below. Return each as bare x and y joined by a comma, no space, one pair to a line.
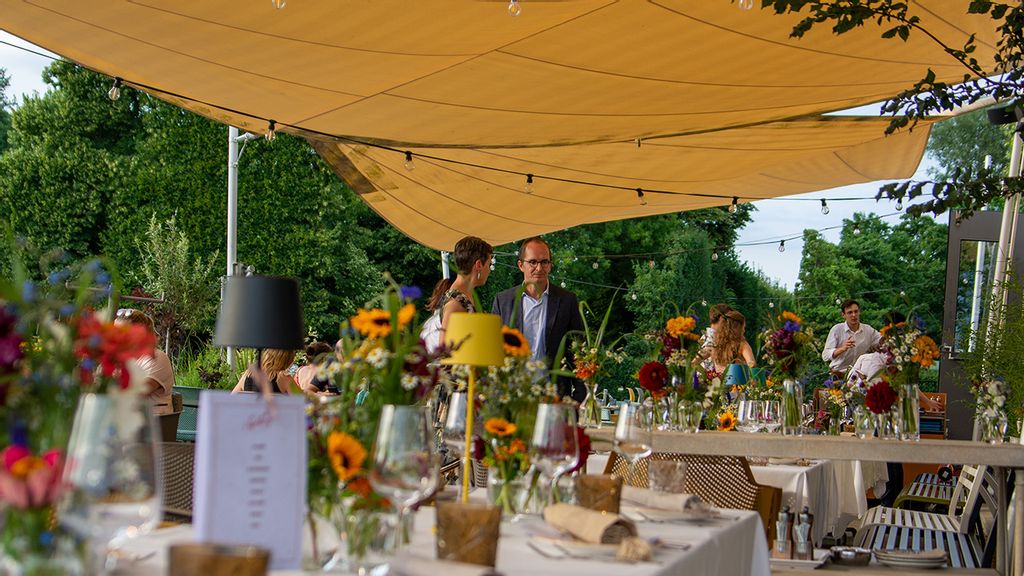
726,421
680,325
374,323
586,370
517,446
925,351
500,427
887,327
346,454
514,342
406,314
787,315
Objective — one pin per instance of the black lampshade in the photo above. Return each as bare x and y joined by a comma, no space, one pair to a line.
260,312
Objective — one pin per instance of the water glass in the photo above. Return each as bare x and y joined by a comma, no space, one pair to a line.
748,417
666,476
771,416
863,422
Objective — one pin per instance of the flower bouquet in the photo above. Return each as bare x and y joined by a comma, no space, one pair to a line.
990,398
908,349
787,349
880,400
381,362
590,356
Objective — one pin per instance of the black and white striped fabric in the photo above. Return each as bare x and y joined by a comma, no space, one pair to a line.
963,550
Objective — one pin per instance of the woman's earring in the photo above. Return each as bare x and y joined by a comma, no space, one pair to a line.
478,276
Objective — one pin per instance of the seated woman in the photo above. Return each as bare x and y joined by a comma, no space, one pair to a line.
275,363
305,374
158,369
730,345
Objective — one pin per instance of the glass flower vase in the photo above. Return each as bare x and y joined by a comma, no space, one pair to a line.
992,425
517,495
590,409
690,414
367,536
886,425
112,483
910,413
792,407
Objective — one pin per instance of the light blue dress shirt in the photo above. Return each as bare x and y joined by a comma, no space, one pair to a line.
535,314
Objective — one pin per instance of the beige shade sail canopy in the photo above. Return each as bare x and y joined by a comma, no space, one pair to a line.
726,104
440,201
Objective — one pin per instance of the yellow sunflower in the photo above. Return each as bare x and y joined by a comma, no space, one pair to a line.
346,454
726,421
499,427
515,343
787,315
406,314
374,323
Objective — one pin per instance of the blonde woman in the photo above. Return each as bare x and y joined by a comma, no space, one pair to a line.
275,364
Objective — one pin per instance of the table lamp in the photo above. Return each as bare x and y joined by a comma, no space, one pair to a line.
260,312
479,341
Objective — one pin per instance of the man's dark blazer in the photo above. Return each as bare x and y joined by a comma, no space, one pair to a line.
562,316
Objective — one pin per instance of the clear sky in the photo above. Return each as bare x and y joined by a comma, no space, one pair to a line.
773,219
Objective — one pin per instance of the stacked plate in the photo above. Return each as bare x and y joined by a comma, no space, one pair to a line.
912,558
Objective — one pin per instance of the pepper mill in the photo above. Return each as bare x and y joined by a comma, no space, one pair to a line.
803,542
783,546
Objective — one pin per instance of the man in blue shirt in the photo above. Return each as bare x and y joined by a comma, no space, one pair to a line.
545,313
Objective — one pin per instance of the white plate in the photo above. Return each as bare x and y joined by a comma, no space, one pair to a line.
911,563
820,555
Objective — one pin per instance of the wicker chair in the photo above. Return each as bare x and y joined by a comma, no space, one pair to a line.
722,481
178,462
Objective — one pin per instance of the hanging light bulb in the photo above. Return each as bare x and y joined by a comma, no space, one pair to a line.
714,256
408,161
278,3
562,284
271,131
899,204
839,302
856,231
529,184
746,4
771,304
514,9
115,91
640,195
633,296
902,293
595,265
704,303
734,206
782,245
824,206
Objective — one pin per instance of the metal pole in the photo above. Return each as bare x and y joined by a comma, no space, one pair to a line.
1006,232
445,271
232,247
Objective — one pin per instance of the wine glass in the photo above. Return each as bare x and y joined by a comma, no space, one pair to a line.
554,446
453,431
771,416
405,466
633,435
748,417
113,478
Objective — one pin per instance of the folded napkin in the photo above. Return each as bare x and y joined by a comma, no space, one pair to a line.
588,525
661,500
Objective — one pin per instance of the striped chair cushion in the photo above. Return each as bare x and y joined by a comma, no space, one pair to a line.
883,516
924,493
963,552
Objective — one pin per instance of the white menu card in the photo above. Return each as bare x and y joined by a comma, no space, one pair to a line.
250,475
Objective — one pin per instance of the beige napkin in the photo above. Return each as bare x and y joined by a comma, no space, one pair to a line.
588,525
661,500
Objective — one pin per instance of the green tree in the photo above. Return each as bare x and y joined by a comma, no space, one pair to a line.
961,144
6,103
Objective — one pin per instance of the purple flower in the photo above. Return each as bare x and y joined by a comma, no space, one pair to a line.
409,293
791,326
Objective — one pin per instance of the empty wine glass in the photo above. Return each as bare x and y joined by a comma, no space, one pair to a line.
633,435
554,446
771,416
454,429
113,477
748,417
405,466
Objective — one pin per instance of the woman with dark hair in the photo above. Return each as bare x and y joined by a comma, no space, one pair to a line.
430,334
730,345
473,262
305,374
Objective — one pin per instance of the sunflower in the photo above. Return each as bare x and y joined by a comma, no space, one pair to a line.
787,315
346,454
515,343
374,323
406,314
500,427
726,421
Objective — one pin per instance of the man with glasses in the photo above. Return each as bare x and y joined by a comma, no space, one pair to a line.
848,340
545,313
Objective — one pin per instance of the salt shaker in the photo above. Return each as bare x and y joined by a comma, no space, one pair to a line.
803,544
783,546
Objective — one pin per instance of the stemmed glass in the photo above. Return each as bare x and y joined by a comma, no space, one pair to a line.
633,435
454,431
405,466
771,416
748,417
554,445
113,476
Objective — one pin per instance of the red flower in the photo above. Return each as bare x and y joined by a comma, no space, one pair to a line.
880,397
111,346
653,376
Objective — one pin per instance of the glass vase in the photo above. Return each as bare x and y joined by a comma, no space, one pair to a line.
992,427
112,483
863,422
590,409
367,536
690,415
910,413
660,412
792,407
887,426
835,425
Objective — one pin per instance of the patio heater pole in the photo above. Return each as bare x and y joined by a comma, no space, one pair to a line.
1007,234
445,272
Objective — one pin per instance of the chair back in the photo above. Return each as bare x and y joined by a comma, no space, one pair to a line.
970,486
177,401
722,481
189,412
179,475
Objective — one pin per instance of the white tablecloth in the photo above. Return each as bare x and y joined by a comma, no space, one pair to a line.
730,546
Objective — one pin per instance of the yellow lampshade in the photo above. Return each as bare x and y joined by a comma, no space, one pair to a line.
480,337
